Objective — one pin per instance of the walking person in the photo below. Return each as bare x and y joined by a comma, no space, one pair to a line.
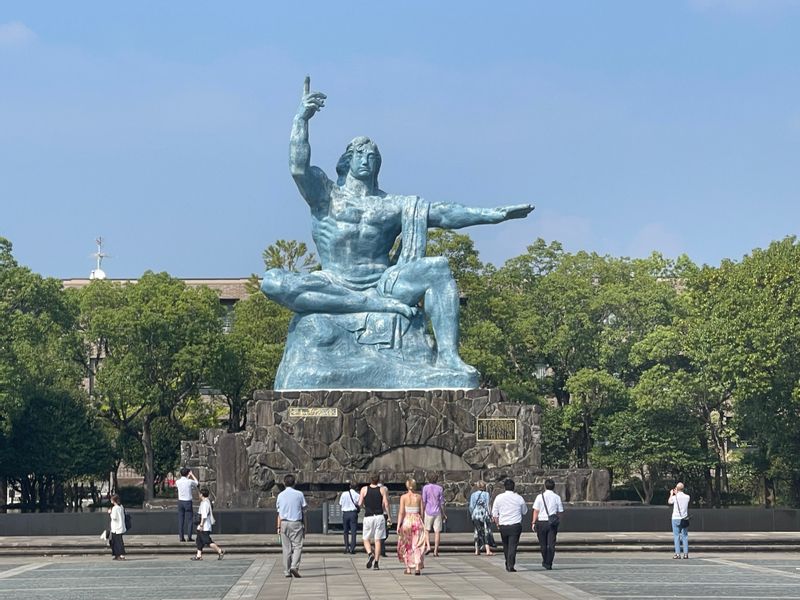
186,485
481,521
375,500
117,528
547,511
291,505
680,519
507,512
411,534
348,501
435,515
206,514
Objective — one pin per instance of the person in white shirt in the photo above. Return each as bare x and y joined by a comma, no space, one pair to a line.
507,511
350,507
186,484
680,519
291,505
117,543
204,528
547,511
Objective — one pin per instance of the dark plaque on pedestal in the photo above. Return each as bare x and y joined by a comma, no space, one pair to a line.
497,430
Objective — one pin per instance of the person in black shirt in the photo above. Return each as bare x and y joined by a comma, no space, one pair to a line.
374,499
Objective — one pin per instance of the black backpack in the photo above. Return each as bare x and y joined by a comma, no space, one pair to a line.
128,520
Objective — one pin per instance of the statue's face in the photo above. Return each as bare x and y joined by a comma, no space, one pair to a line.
364,163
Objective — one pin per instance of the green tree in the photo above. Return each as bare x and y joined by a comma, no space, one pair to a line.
290,255
41,371
247,358
593,393
155,338
747,340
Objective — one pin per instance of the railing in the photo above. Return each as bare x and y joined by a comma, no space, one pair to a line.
332,515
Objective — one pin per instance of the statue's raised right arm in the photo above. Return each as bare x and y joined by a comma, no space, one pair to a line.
311,181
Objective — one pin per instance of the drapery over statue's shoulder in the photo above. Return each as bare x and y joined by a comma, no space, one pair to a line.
361,321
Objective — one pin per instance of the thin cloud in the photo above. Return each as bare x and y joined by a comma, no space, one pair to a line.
15,33
656,237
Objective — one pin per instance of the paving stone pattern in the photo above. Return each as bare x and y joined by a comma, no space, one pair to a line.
630,576
694,579
130,580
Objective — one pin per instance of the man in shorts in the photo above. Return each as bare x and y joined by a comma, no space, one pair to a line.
375,500
433,498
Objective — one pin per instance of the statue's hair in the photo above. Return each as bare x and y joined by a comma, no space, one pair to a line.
358,143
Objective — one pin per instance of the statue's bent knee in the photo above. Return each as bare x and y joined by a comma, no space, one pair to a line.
272,283
440,265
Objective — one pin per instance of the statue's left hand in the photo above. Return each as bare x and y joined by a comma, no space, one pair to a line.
515,211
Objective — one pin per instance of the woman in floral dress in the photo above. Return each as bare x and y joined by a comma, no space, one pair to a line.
411,538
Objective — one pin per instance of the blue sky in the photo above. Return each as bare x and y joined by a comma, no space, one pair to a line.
163,126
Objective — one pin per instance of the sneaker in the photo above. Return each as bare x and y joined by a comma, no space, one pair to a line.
686,556
294,573
370,560
220,555
376,566
196,558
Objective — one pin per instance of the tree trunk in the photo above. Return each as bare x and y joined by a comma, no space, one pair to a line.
147,446
795,491
769,491
235,416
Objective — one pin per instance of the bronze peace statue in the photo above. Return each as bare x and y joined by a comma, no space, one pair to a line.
360,320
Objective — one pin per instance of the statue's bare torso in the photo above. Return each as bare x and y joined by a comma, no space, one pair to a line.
354,235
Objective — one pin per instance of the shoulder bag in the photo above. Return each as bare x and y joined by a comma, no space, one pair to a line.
684,524
553,519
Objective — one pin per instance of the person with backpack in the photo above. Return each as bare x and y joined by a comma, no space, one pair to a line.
348,501
481,520
117,528
206,514
547,511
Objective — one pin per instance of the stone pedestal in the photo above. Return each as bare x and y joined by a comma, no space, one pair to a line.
327,438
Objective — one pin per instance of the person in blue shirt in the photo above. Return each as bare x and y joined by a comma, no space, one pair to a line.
291,505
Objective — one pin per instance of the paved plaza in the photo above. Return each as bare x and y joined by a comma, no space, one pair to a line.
576,576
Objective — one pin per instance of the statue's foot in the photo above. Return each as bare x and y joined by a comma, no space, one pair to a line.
452,361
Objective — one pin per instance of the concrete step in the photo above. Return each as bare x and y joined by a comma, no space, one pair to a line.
452,543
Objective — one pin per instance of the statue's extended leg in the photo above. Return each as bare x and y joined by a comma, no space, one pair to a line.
432,278
312,292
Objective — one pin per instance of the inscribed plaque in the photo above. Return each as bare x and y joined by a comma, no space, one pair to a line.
312,411
497,430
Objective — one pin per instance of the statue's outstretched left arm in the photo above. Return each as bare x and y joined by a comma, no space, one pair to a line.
456,216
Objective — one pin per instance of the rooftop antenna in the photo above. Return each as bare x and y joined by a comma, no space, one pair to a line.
97,272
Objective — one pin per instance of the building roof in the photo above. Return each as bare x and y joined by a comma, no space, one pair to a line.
228,288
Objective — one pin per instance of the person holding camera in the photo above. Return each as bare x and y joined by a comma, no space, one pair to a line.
547,511
680,519
186,484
